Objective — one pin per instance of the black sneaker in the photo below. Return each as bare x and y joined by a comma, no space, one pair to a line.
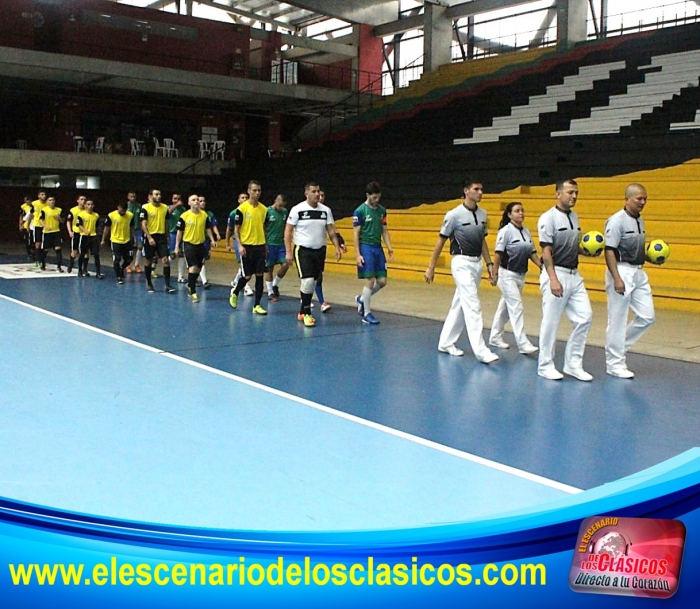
276,291
100,276
87,274
170,289
206,285
151,288
120,281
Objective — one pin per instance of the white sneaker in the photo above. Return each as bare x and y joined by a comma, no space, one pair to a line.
452,350
325,307
578,373
248,291
529,350
621,373
489,358
551,373
500,343
181,280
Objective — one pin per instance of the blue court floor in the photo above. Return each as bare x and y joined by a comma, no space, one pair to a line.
147,407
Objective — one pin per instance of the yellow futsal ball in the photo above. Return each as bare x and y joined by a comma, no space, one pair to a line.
658,251
593,242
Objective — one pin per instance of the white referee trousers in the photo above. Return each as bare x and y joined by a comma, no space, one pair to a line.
465,310
620,335
574,302
510,306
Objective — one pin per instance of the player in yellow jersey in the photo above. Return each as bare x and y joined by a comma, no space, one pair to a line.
50,221
249,224
73,234
25,211
34,226
153,220
193,228
86,225
120,228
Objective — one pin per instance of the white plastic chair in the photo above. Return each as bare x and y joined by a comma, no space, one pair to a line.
137,147
79,144
99,145
218,150
157,148
169,149
21,144
203,148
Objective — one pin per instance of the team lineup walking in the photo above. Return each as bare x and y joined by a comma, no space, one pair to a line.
268,240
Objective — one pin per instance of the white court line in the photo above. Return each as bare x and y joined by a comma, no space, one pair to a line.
343,415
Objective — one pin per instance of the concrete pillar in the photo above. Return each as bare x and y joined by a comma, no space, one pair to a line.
571,22
437,40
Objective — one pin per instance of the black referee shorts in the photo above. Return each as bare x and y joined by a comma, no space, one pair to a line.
310,262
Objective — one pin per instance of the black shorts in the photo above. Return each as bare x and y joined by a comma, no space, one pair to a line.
194,254
253,262
38,232
88,245
310,262
50,241
75,242
161,249
122,250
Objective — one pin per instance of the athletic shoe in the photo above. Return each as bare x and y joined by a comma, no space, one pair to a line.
206,285
234,282
153,275
621,373
451,350
276,291
86,274
499,343
59,269
233,299
309,321
248,291
370,319
257,309
300,316
129,270
170,290
181,280
551,373
578,373
138,268
325,307
43,267
100,276
489,358
528,350
151,289
193,297
120,281
272,298
360,306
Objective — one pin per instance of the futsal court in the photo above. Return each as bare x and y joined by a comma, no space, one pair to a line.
148,407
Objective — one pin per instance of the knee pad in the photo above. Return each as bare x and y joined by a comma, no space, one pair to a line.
307,285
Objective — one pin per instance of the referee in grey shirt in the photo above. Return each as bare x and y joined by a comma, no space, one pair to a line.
626,282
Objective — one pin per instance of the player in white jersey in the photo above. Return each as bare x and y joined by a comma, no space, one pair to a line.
626,282
307,226
465,227
562,286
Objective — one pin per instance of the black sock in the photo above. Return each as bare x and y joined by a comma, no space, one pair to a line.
306,303
241,284
258,289
147,271
97,264
71,260
192,282
166,275
59,258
